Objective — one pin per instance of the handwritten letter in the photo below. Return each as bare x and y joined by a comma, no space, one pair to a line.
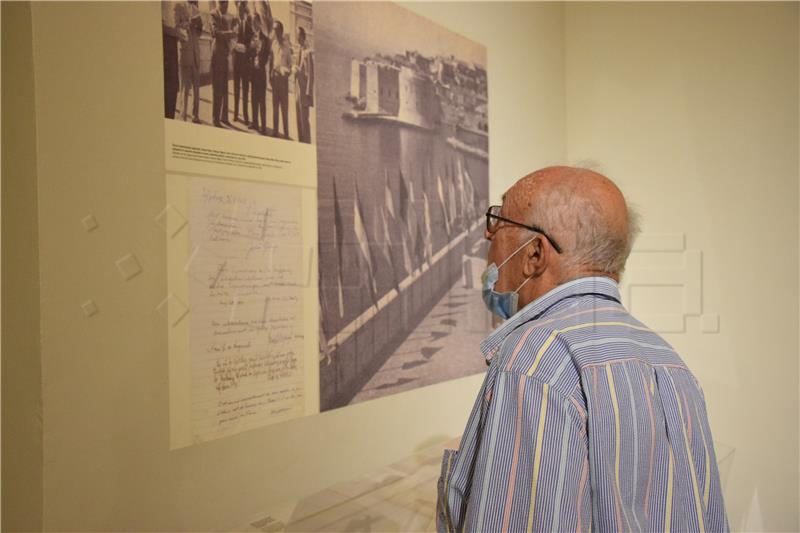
246,281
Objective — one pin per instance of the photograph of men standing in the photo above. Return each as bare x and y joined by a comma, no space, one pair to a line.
222,32
304,85
280,69
191,26
241,63
260,48
223,50
170,35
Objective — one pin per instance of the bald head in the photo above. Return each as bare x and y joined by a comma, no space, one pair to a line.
584,212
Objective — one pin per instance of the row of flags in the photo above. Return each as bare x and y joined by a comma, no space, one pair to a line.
456,198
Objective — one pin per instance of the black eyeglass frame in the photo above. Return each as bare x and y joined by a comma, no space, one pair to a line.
537,229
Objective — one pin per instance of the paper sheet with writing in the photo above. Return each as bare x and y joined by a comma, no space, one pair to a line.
246,298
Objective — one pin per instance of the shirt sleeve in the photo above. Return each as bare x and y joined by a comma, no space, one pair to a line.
528,469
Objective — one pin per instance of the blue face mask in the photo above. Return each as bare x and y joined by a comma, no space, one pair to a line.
503,304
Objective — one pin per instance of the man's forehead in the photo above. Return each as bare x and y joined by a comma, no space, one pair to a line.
509,200
506,202
518,200
517,192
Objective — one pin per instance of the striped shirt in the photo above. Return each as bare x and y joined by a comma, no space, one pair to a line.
586,420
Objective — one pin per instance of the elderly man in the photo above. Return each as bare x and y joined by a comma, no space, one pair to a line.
587,419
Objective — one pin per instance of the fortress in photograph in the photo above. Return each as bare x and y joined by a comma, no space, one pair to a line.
402,184
422,92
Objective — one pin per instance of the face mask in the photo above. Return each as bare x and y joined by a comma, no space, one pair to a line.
503,304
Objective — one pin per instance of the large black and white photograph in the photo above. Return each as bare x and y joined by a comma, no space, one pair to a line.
403,169
245,66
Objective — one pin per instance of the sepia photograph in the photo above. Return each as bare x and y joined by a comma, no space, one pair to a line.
402,188
245,66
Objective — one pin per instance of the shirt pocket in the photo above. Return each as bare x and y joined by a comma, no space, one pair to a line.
443,519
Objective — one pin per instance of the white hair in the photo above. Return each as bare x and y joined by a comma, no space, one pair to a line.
597,246
587,235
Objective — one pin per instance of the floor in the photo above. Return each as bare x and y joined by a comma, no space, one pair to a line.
398,497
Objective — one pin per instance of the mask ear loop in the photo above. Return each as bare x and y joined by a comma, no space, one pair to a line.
526,243
523,283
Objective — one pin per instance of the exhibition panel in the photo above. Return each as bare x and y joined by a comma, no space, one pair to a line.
243,243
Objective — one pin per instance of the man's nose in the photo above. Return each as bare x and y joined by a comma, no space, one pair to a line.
488,235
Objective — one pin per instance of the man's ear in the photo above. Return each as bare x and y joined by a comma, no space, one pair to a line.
535,257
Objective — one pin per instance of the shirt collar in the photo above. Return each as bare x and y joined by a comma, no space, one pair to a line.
597,285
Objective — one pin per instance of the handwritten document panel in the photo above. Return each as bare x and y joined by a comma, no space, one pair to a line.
246,287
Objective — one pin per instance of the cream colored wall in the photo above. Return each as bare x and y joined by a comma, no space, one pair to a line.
107,463
21,367
693,109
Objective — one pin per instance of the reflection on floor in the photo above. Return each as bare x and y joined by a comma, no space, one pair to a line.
725,454
399,497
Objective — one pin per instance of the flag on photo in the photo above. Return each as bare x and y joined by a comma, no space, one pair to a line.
420,249
470,196
451,199
386,248
404,201
407,212
407,263
388,195
428,244
462,193
363,244
338,239
442,204
325,351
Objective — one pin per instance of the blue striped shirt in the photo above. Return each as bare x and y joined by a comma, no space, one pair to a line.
586,420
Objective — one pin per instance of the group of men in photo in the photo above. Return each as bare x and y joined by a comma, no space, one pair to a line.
263,57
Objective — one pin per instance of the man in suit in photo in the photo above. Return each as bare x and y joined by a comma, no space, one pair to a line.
171,34
280,69
304,86
222,30
191,25
260,52
241,64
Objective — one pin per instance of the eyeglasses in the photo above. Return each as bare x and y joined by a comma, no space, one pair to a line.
493,220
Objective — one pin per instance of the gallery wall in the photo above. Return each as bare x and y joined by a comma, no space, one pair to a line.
693,109
21,364
106,462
